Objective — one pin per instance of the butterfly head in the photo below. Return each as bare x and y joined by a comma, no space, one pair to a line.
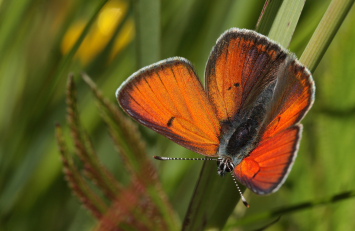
225,165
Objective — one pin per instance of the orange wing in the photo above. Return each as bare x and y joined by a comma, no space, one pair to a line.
267,167
293,97
240,66
169,98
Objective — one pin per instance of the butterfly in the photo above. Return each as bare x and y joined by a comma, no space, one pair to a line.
247,116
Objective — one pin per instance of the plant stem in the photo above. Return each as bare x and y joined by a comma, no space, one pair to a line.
147,14
325,32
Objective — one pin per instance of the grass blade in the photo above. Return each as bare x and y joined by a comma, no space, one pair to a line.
147,14
285,22
325,32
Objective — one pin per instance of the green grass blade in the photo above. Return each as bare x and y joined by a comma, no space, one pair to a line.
11,14
285,22
267,16
213,201
325,32
68,58
147,14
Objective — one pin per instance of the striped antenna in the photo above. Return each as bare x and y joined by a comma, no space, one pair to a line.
173,158
240,192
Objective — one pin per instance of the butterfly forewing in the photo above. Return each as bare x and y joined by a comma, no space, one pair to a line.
241,65
169,98
293,96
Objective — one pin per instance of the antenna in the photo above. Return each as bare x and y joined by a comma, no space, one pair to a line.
173,158
240,192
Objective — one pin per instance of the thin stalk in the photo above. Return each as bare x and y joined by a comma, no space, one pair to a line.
325,32
147,13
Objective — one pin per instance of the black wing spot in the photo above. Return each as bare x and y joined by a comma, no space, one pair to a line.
235,85
170,122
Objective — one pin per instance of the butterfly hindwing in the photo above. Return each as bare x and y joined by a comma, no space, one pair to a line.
169,98
267,166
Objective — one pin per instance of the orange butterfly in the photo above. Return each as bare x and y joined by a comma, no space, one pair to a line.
248,116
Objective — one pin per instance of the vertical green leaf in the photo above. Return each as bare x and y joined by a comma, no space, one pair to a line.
285,22
325,32
267,16
147,14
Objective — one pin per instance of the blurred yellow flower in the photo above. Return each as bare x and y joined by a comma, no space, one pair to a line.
101,33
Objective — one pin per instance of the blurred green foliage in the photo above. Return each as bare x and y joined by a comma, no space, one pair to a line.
34,68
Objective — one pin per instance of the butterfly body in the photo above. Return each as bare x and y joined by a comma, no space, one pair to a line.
247,116
241,135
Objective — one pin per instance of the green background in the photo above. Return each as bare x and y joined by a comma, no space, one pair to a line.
33,73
